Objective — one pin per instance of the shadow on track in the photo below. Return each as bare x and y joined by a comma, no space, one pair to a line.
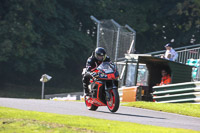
131,115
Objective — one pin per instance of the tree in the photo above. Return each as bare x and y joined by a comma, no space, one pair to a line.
56,36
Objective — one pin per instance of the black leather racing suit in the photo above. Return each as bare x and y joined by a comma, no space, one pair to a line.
91,64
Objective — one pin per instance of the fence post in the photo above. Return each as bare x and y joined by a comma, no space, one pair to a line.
117,42
42,90
132,46
98,28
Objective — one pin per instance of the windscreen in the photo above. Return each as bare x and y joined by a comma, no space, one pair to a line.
106,67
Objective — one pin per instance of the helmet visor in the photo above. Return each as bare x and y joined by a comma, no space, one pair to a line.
100,57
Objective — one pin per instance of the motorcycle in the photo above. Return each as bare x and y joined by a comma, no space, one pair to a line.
103,90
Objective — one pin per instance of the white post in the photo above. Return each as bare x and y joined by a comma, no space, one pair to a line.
129,51
42,90
44,78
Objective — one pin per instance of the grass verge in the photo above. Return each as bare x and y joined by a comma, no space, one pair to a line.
178,108
14,120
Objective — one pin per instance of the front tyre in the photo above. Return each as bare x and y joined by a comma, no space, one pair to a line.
89,105
113,103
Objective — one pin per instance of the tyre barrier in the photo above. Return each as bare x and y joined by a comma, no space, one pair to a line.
65,96
188,92
68,98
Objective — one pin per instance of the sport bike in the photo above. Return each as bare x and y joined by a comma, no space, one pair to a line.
103,90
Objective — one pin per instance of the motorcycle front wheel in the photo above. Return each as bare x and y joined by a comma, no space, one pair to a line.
113,103
89,105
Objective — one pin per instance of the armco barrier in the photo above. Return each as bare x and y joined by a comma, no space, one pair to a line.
130,94
177,93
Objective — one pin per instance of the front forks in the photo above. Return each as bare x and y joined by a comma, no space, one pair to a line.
107,90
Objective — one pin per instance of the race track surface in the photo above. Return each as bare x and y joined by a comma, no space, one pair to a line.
128,114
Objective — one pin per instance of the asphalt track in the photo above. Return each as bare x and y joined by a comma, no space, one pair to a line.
128,114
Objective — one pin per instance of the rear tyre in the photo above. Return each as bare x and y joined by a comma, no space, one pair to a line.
113,103
89,105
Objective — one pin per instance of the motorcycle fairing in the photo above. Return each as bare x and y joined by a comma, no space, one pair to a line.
98,96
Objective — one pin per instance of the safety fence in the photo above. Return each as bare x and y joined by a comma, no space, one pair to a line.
184,53
188,92
115,38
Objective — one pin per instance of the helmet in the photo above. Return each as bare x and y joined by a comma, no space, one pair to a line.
100,53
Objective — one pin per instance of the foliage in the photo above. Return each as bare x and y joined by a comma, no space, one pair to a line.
56,36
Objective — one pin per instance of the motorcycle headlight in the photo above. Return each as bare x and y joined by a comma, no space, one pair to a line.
103,75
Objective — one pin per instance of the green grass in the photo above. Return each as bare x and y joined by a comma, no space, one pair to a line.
18,121
178,108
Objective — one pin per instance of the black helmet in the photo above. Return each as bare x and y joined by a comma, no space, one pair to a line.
100,53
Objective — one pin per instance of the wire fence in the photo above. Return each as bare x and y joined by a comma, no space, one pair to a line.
116,39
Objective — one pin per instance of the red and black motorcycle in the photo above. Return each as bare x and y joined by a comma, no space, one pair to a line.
103,88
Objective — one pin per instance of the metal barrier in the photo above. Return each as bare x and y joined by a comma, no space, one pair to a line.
177,93
184,53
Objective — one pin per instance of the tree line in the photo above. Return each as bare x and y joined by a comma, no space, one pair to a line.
50,36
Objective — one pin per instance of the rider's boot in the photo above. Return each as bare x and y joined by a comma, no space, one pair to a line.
86,90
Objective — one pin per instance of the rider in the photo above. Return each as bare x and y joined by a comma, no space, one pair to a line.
98,56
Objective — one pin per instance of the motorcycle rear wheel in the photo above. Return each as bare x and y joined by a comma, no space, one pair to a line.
113,103
89,105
